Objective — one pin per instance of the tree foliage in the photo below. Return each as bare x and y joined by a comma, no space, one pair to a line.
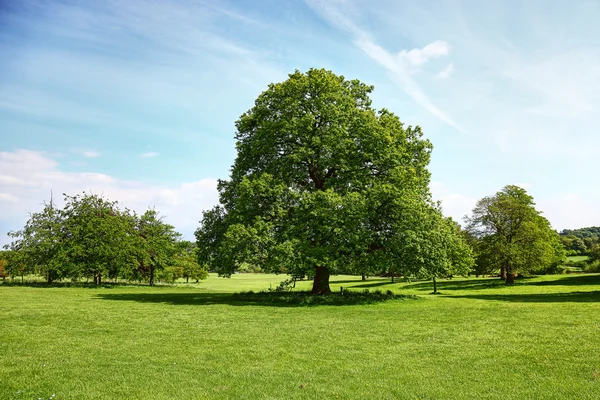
99,239
511,235
38,246
580,241
91,237
322,183
156,244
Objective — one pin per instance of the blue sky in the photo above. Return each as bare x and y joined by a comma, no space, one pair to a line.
137,99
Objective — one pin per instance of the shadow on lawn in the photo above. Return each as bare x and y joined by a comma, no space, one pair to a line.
84,285
572,280
286,299
460,284
573,297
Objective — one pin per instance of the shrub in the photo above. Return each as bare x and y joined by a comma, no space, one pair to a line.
594,266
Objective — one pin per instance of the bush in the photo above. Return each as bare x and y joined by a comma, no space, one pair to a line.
555,269
249,268
594,266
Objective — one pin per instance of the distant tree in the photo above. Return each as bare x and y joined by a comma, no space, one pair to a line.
98,237
156,244
322,183
187,259
594,254
38,247
3,265
512,235
439,248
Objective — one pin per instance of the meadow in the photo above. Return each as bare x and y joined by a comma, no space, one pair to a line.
539,339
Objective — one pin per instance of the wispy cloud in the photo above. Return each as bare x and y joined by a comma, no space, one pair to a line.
399,66
150,154
418,57
446,72
91,154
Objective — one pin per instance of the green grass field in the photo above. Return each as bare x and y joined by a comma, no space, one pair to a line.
478,340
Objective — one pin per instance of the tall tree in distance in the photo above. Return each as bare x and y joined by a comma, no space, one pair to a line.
98,236
322,182
39,245
156,244
512,236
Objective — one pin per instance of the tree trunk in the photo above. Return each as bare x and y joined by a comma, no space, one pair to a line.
392,278
321,281
187,279
151,276
49,276
434,285
510,279
363,277
503,274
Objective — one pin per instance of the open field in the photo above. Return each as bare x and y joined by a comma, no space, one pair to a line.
478,340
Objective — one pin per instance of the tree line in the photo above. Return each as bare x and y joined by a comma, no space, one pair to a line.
582,241
92,238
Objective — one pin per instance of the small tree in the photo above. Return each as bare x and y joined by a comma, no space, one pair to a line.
156,244
39,245
187,260
512,235
98,237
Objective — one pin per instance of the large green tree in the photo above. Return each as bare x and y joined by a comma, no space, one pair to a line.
322,182
511,235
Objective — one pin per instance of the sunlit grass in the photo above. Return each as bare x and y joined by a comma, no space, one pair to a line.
479,339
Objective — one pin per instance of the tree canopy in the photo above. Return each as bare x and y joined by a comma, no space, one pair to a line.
511,235
93,237
322,182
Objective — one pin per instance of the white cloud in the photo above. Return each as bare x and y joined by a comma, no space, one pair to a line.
446,72
8,198
150,154
29,178
417,57
91,154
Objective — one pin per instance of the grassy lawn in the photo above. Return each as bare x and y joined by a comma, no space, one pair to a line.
577,258
478,340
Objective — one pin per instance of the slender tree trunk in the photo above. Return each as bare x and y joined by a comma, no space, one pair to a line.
434,285
503,273
321,281
49,277
392,278
187,279
510,279
363,277
151,276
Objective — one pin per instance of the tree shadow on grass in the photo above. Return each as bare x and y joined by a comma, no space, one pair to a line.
84,285
285,299
459,284
572,297
571,280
